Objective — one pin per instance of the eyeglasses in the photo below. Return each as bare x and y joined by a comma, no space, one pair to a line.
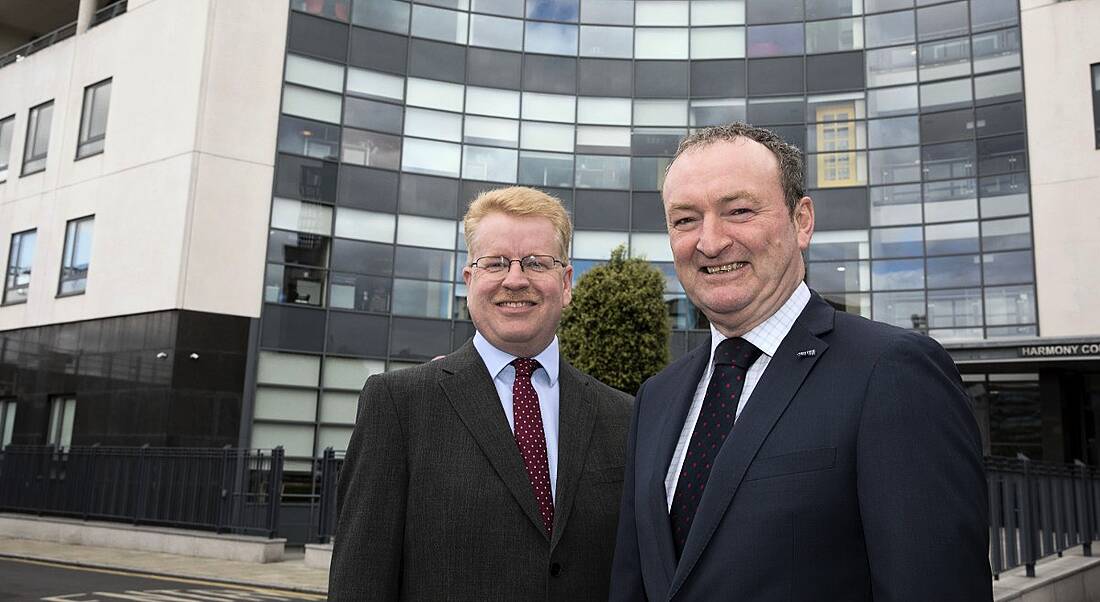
537,264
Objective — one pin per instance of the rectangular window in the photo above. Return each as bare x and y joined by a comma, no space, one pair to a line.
18,275
77,255
7,132
62,413
38,138
93,119
1095,107
7,421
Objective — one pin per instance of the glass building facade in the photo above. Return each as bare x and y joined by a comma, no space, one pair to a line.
395,114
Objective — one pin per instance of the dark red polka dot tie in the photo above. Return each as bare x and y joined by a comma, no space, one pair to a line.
732,359
531,439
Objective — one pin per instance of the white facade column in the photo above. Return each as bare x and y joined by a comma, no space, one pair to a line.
84,15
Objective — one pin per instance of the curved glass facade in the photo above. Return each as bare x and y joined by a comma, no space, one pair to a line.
396,114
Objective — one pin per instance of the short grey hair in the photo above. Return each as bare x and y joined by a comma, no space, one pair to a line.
788,155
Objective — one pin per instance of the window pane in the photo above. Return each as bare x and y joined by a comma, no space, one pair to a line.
996,50
946,239
296,440
435,94
950,200
545,169
597,245
892,205
39,122
943,21
653,247
368,257
905,310
364,225
775,40
892,274
552,10
892,101
608,42
490,131
493,164
490,101
650,43
370,149
426,156
433,124
955,308
609,111
439,24
549,107
20,261
992,14
1004,194
824,9
77,256
595,171
661,12
834,36
372,84
7,133
294,215
422,299
716,112
298,248
897,242
427,264
389,15
941,60
313,104
660,112
895,165
890,29
1005,234
370,114
551,38
998,87
285,404
347,373
608,140
892,132
508,8
1008,268
1010,305
93,119
608,12
496,32
892,66
548,137
310,138
718,43
717,12
426,232
774,11
336,9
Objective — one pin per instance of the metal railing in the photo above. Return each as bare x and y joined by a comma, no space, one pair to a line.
223,490
327,476
1039,509
62,33
108,12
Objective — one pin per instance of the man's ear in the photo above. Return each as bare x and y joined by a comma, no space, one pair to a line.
567,283
804,221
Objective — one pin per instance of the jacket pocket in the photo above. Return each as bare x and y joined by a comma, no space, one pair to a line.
806,460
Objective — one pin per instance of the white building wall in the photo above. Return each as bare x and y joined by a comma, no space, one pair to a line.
182,191
1060,43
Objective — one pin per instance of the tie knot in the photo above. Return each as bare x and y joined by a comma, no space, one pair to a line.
525,366
736,351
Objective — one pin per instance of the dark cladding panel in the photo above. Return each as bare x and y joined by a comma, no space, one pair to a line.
292,328
494,68
553,74
436,60
357,334
840,208
776,76
661,79
606,77
834,72
319,37
415,339
718,78
377,50
602,210
306,179
370,189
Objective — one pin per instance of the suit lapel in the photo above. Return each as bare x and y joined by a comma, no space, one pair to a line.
576,418
677,392
773,393
470,390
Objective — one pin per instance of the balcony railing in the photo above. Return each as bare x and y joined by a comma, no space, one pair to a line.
62,33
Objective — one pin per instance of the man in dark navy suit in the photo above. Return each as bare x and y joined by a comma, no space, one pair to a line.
802,453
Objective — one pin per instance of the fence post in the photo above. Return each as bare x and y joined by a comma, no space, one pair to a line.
89,491
220,527
275,490
1087,527
142,489
1026,519
327,495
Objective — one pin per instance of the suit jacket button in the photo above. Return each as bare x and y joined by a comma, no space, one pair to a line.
555,569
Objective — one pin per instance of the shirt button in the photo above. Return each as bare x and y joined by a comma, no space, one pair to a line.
555,569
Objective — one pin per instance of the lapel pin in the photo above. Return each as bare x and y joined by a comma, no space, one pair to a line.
807,353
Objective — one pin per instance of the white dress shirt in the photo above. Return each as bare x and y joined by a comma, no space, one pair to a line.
766,337
545,382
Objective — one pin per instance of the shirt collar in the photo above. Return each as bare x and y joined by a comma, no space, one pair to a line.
497,360
767,335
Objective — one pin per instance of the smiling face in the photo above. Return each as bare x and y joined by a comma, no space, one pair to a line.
737,248
518,312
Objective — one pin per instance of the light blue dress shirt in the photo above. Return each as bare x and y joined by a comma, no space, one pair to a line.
545,381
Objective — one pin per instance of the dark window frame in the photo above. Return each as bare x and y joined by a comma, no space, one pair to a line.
83,142
7,272
67,258
1095,68
35,122
5,158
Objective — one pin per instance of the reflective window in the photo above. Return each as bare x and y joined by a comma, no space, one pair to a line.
1010,305
428,264
553,74
892,66
608,12
656,141
433,124
372,84
494,164
312,104
334,9
890,29
947,125
545,169
390,15
490,131
311,218
607,140
661,12
552,10
839,276
549,107
992,14
595,171
496,32
356,256
832,245
895,165
17,278
551,38
291,284
310,138
364,225
896,242
422,299
774,11
895,205
1000,119
611,42
381,116
825,9
1004,153
348,373
76,256
996,50
439,24
775,40
716,111
950,200
942,21
435,94
297,248
893,274
93,119
951,160
1004,194
609,111
7,134
944,59
954,308
664,43
834,36
1006,234
1008,268
660,112
485,67
895,131
430,157
877,6
490,101
945,95
956,237
717,12
37,143
547,137
508,8
370,149
596,245
998,87
718,43
648,173
905,310
360,293
776,110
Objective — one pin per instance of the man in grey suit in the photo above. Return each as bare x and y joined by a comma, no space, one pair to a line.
493,473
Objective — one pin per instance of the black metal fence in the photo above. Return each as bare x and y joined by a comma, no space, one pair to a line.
223,490
1039,509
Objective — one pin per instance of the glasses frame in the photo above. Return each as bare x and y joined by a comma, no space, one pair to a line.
474,263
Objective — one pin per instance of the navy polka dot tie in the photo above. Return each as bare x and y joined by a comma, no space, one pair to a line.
732,359
531,439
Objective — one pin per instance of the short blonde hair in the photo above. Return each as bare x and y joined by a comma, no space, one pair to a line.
520,201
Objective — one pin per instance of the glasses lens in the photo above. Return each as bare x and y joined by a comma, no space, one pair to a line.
493,264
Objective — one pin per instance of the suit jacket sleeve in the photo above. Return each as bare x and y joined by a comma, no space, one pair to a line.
367,551
921,486
626,568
